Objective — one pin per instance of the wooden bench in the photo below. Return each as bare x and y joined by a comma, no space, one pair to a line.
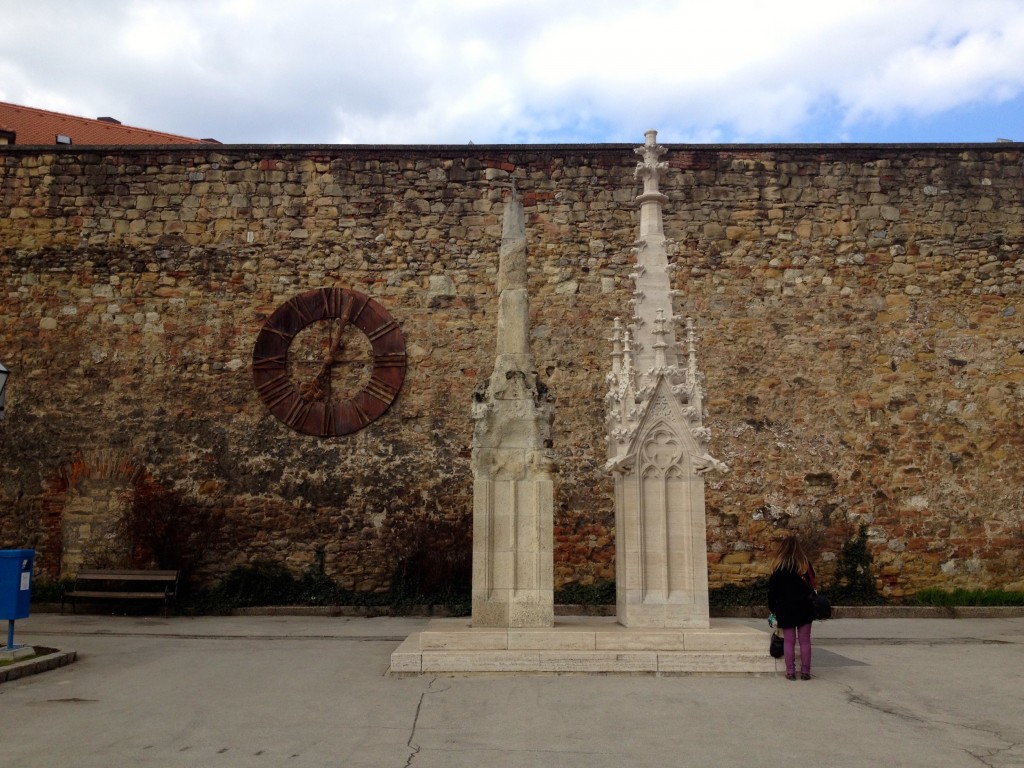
106,584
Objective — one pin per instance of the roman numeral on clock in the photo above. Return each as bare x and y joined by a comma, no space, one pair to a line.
274,390
383,330
390,360
297,414
271,363
380,390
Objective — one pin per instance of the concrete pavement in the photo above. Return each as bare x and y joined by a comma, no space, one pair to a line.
313,691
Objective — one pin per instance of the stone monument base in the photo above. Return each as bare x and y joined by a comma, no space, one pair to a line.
583,644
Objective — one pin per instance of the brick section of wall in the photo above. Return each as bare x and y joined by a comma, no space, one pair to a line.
860,313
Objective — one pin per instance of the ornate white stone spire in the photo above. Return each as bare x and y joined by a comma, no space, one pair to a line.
657,442
651,335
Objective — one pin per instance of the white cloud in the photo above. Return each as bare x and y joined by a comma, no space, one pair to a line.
936,75
156,34
449,71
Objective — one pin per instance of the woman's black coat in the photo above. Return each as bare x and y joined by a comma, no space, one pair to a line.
789,599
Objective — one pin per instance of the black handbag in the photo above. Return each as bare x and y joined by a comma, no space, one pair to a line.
821,608
777,646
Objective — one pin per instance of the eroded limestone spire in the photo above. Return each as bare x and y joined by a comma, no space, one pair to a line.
513,496
513,346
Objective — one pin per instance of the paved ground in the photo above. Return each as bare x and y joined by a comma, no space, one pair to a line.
310,691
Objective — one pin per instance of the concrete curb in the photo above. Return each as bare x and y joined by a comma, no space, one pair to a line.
734,612
372,611
358,611
48,658
743,612
891,612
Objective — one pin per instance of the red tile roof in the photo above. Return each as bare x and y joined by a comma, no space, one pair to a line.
37,126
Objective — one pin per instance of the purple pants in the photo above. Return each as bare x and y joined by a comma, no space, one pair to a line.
790,635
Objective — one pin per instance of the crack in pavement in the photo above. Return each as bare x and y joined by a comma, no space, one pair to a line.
857,699
987,758
410,743
984,757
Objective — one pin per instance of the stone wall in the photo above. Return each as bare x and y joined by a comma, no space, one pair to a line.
859,307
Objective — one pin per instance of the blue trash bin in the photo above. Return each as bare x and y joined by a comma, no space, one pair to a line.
15,582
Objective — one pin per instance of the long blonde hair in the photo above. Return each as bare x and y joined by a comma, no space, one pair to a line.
790,556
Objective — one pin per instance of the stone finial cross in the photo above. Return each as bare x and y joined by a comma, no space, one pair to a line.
650,169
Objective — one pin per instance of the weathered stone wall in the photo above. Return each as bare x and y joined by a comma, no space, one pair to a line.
859,310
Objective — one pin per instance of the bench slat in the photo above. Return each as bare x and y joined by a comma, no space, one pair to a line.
127,576
116,595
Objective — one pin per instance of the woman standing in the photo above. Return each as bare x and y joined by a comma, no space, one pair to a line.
789,591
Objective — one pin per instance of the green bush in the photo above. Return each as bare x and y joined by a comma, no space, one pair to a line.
49,590
433,563
966,597
265,583
601,593
262,583
736,595
854,582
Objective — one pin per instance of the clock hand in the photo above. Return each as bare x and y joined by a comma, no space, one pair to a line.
336,343
319,387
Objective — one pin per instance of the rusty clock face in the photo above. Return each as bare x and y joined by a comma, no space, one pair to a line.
329,361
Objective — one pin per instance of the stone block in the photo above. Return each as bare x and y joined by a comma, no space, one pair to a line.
407,658
640,640
474,639
597,662
550,639
484,661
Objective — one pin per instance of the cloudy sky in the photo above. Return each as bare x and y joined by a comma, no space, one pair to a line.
536,71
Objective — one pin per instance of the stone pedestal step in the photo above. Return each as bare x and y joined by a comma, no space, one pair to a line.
584,645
